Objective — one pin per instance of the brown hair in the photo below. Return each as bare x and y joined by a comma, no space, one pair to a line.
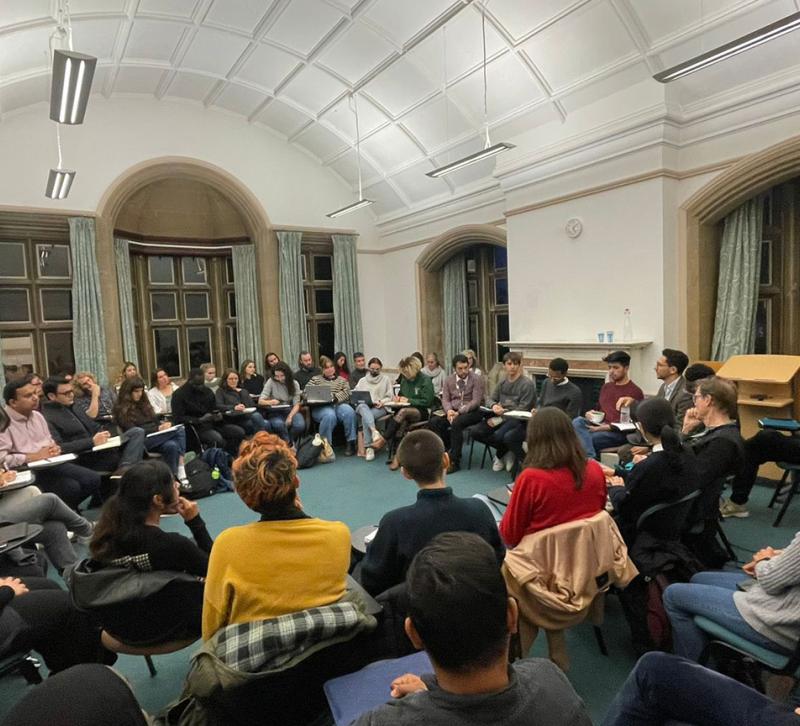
127,412
723,391
553,443
420,454
325,362
265,473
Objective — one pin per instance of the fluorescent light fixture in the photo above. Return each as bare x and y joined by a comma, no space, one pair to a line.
728,50
59,182
471,159
351,208
71,85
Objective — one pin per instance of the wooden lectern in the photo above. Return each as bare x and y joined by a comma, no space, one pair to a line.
769,386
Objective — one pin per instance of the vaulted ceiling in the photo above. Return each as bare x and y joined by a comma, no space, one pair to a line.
290,65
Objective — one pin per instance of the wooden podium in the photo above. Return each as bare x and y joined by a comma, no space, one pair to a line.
769,386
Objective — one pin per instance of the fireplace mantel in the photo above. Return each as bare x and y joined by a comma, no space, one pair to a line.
585,357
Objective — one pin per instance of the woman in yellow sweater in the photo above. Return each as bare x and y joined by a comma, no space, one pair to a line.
285,562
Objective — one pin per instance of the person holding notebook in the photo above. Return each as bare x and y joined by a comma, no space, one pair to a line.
339,409
379,387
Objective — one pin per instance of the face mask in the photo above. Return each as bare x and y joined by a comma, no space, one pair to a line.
374,374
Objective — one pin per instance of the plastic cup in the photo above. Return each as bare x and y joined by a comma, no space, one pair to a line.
601,337
610,336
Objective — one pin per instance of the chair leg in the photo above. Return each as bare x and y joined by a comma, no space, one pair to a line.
778,488
150,666
725,542
485,452
471,449
601,642
788,500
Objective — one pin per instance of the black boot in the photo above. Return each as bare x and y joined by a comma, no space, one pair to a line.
350,450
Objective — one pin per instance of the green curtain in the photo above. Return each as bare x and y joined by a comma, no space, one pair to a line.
293,308
454,304
248,319
2,374
737,289
88,333
122,257
347,331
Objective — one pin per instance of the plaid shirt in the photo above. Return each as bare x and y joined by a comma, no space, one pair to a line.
269,644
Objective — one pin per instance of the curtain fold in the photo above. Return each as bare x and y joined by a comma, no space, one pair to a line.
122,257
454,302
293,309
347,332
248,318
88,333
737,289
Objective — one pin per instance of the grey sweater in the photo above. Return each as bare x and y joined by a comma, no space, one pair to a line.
771,604
274,391
538,693
517,396
566,396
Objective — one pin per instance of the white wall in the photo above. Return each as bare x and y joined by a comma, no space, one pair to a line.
122,132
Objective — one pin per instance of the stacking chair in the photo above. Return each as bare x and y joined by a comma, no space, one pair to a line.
117,646
790,474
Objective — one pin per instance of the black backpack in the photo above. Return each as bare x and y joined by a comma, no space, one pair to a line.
199,482
307,453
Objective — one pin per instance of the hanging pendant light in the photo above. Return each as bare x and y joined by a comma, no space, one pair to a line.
361,202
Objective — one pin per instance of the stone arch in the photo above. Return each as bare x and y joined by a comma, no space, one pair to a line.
240,197
429,275
700,233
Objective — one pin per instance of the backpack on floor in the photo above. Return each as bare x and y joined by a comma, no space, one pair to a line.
220,459
199,482
308,451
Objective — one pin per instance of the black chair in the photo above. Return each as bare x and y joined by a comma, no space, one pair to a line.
667,520
790,473
22,663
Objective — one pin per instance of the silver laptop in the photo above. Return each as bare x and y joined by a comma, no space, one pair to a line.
318,394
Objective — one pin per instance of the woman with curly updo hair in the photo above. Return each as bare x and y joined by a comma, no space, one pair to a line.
283,563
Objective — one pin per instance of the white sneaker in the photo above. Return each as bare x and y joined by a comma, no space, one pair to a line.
317,441
727,508
498,464
509,460
369,455
181,472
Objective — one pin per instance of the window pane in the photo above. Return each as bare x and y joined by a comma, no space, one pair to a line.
501,325
765,275
500,257
472,293
58,349
56,305
194,270
231,305
323,300
163,306
325,339
229,270
161,270
199,342
16,352
323,267
167,354
474,337
53,260
13,256
233,348
763,343
196,305
501,291
14,306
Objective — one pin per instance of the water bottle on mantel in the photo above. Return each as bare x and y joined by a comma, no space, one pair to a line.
627,326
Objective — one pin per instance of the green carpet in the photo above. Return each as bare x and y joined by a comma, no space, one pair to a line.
357,493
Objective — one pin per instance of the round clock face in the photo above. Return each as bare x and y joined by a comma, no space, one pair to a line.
573,228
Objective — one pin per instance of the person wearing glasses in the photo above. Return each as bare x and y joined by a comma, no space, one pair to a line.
379,386
77,434
28,439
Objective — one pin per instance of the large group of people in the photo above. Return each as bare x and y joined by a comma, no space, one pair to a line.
444,557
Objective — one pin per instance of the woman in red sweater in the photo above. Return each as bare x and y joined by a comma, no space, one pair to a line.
557,483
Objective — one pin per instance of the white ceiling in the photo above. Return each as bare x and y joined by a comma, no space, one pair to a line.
416,64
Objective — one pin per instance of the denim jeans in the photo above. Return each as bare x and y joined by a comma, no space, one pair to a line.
594,441
663,689
171,446
327,416
709,594
277,422
368,417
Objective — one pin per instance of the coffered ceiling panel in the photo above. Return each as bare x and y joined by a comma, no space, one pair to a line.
416,66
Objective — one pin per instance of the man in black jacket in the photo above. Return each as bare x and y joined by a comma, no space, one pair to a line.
405,531
195,404
76,433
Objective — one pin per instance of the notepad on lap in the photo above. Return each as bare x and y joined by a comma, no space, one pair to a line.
52,461
112,443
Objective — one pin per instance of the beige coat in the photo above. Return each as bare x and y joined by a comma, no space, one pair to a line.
556,573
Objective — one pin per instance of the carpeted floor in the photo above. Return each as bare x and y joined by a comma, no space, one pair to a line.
357,493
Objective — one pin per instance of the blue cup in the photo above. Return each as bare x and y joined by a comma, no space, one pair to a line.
601,337
610,336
